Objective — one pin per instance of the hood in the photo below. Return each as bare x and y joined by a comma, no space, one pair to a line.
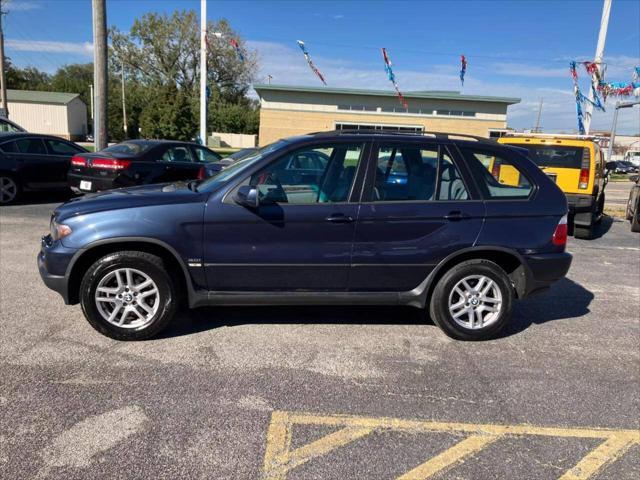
142,196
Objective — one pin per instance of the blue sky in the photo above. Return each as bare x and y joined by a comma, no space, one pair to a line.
514,48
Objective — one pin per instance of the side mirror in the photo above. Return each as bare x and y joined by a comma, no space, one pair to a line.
610,166
247,196
634,178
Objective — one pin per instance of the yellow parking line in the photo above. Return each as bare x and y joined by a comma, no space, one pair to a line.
606,453
449,458
280,459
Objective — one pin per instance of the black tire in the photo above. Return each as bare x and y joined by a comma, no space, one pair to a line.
6,177
439,305
585,232
600,211
150,265
635,221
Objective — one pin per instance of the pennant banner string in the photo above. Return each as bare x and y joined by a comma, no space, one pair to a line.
392,78
234,43
463,68
310,62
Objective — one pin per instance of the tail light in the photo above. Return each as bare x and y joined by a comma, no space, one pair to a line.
559,237
495,171
583,183
110,163
584,178
202,173
78,161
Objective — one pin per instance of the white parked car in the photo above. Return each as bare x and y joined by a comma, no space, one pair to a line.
633,156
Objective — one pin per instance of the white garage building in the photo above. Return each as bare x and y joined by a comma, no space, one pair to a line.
53,113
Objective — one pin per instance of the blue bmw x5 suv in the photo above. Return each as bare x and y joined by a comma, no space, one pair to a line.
340,218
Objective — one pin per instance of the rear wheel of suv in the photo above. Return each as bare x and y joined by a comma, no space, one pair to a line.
128,295
473,300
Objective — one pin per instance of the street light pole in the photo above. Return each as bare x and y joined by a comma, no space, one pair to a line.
203,71
612,137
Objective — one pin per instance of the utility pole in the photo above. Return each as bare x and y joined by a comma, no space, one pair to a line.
537,129
3,81
100,74
124,106
203,71
269,77
602,37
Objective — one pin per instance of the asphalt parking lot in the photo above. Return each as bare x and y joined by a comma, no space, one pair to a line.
336,393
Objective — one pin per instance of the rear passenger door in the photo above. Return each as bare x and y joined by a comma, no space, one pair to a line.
60,153
418,208
40,170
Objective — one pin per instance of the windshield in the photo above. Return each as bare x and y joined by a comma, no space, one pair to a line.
128,148
555,155
238,167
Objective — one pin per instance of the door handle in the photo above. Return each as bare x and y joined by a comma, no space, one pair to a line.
455,216
339,218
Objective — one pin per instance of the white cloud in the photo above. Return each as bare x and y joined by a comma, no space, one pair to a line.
21,6
83,48
527,70
287,65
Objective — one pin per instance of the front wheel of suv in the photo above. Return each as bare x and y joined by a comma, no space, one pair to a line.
128,295
473,300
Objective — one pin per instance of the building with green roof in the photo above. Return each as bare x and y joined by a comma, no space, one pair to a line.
52,113
293,110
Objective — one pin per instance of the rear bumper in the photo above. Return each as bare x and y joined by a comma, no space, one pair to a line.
98,184
578,203
545,269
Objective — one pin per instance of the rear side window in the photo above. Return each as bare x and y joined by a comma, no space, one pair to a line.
31,145
496,175
9,147
416,174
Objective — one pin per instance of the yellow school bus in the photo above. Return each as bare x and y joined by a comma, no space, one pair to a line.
576,163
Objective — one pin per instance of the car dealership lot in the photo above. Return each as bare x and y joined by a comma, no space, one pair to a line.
324,392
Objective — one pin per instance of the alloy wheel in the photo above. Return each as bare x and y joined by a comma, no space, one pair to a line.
127,298
8,190
475,302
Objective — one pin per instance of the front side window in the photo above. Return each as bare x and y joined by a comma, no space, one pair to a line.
58,147
321,174
204,155
497,176
411,173
177,154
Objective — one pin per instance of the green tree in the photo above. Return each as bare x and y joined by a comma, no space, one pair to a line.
168,114
74,78
29,78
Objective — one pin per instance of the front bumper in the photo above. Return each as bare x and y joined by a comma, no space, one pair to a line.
544,270
52,264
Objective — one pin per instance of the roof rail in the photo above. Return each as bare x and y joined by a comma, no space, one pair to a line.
436,135
552,135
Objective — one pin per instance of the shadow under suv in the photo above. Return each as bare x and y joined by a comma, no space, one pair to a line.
347,218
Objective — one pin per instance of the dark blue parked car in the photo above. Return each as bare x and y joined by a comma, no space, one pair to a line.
382,219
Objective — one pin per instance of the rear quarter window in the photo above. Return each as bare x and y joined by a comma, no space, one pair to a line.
497,176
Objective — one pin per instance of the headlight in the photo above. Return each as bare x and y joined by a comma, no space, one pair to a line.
59,230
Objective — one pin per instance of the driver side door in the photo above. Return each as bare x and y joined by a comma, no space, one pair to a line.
301,235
